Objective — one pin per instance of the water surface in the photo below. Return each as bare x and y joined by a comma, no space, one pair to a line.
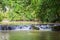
34,35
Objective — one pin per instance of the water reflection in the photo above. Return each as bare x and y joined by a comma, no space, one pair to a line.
50,36
35,35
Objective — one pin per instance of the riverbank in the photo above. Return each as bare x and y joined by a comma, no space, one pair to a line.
24,22
19,22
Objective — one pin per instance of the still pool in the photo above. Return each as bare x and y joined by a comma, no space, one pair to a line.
34,35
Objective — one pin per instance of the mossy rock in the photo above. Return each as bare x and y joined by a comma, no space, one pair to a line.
34,27
56,28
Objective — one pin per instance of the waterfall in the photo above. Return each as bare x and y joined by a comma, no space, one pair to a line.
41,27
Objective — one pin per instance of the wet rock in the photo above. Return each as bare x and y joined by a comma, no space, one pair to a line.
56,28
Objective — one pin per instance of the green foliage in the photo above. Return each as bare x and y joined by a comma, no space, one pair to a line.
1,17
43,10
19,9
48,11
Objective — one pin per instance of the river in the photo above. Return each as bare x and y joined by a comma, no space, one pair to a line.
29,32
34,35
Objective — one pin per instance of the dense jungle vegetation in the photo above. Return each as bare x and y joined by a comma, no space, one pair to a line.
30,10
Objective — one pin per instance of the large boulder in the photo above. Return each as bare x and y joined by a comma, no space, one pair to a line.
56,28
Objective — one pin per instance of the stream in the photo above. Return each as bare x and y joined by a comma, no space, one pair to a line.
32,32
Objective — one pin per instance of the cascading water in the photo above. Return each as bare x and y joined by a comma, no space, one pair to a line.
42,27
